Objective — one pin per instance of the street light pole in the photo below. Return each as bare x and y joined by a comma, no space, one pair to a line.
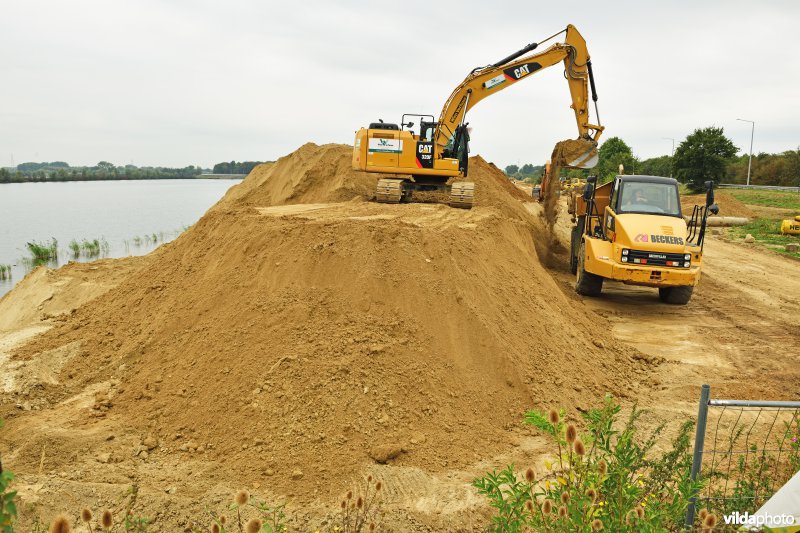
672,161
750,161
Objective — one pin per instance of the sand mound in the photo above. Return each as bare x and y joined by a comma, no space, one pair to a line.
292,333
729,206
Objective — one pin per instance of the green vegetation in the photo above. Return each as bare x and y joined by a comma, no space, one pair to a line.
767,198
610,477
703,156
5,272
242,167
8,509
43,252
766,231
89,249
528,172
739,481
60,171
706,154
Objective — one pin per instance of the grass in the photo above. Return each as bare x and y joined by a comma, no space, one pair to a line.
89,248
766,231
767,198
5,272
43,252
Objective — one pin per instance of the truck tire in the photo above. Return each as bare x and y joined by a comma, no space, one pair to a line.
574,244
587,284
675,295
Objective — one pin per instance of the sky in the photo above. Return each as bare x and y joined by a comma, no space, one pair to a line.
179,82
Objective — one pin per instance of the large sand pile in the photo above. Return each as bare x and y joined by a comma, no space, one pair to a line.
297,331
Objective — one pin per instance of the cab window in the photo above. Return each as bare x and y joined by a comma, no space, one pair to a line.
649,198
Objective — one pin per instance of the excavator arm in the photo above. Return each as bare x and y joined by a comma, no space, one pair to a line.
486,81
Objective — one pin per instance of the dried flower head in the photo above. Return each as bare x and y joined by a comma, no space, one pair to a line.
344,504
597,525
703,514
710,521
602,467
562,512
215,528
565,497
360,502
529,506
553,416
592,494
529,475
640,512
107,520
61,525
86,515
547,507
242,497
349,494
253,526
369,478
580,449
629,518
372,526
222,519
572,433
378,486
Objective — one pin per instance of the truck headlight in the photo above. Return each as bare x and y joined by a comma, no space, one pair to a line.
686,264
624,259
687,257
625,251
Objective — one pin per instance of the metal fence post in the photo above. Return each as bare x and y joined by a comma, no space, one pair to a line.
699,442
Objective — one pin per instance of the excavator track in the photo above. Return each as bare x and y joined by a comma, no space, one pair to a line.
462,194
389,191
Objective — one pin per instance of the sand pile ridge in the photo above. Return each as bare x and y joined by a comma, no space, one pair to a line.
297,330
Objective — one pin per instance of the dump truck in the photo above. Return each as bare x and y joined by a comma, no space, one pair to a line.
632,230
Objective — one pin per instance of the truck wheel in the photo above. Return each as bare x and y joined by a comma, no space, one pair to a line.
574,244
587,284
675,295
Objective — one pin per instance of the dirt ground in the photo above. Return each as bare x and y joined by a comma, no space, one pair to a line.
300,337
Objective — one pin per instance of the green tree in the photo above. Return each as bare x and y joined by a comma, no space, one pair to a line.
702,156
656,166
511,170
613,153
527,169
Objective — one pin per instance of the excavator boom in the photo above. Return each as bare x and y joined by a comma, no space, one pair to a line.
440,152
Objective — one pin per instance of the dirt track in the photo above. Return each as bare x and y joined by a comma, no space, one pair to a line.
294,329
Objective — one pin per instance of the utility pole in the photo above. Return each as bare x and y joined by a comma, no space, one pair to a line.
750,161
672,158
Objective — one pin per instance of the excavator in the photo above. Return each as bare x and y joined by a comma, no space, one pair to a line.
439,153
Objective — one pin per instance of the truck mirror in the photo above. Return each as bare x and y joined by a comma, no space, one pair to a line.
710,193
588,191
713,209
591,179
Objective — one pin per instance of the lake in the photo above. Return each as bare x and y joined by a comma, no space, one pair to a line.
125,217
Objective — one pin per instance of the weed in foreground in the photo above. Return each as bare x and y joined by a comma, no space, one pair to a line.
607,478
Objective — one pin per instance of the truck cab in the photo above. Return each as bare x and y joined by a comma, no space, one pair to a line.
632,230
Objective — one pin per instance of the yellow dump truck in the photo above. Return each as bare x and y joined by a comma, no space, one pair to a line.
632,230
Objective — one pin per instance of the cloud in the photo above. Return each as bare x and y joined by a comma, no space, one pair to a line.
186,82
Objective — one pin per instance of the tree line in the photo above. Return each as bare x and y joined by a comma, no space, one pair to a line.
705,155
61,171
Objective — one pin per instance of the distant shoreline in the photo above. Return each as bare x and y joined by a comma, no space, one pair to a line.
198,177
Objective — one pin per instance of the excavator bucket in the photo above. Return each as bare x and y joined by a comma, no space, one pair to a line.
576,153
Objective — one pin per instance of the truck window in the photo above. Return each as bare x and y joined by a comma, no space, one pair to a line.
649,198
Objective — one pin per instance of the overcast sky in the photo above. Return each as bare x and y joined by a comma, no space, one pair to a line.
178,82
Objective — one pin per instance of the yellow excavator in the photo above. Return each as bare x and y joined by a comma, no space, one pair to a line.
632,230
439,154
